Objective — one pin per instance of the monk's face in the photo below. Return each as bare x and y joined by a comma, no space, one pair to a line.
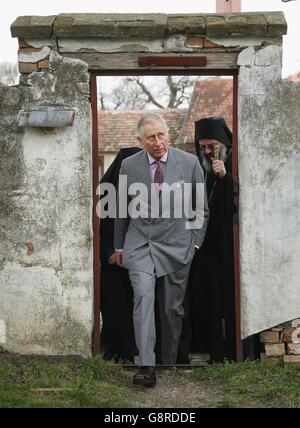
207,147
156,139
207,152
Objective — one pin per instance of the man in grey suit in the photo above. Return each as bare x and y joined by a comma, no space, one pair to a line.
159,248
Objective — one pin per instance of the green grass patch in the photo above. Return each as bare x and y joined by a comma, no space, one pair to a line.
264,384
94,383
102,384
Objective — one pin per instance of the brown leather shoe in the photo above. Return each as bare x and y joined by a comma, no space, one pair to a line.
145,377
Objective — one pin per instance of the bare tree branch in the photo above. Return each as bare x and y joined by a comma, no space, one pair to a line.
147,92
136,93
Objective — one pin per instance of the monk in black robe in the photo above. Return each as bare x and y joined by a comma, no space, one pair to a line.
116,295
211,289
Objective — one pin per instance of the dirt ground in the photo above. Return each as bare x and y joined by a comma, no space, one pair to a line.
176,389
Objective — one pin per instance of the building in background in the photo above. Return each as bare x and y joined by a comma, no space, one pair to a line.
117,129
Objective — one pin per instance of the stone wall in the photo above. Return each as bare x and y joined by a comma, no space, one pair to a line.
46,266
46,272
269,180
105,40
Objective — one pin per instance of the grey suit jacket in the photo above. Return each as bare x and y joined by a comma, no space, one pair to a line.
161,244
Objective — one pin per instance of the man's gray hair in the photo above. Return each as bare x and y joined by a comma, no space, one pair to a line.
149,118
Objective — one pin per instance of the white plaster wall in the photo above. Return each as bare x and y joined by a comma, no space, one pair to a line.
46,263
269,178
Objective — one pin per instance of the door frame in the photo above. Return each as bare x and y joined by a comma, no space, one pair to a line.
96,226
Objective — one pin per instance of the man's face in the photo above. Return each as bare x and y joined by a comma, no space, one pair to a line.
156,139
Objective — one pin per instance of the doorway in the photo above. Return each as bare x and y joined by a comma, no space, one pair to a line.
234,170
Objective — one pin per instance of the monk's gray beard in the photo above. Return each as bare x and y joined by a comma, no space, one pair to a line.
206,162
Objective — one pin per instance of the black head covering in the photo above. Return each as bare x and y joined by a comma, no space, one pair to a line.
212,127
112,173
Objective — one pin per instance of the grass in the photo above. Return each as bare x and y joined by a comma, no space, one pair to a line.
95,383
254,384
98,383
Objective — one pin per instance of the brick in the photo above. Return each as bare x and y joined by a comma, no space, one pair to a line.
216,25
209,44
29,248
256,24
277,25
186,24
293,348
287,334
265,359
27,67
194,42
32,27
296,323
23,44
112,25
275,349
291,360
44,64
269,337
296,335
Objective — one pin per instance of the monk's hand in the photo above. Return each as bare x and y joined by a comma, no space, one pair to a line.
112,259
119,258
218,168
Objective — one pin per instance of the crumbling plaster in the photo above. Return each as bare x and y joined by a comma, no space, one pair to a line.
46,216
46,266
269,180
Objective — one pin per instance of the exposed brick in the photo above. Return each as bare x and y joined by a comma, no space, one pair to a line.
274,349
264,358
296,335
44,64
291,360
151,25
209,44
293,348
29,248
27,67
296,323
216,25
194,42
186,24
23,44
269,337
277,328
276,23
287,334
32,26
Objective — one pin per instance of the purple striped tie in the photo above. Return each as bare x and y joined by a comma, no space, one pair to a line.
159,174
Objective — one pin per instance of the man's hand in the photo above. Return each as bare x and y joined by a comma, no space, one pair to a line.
218,168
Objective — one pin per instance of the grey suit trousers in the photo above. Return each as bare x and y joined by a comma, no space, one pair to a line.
170,291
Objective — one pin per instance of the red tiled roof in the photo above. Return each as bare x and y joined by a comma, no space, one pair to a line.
117,129
293,78
211,97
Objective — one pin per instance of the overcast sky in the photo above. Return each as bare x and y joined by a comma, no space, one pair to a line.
14,8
